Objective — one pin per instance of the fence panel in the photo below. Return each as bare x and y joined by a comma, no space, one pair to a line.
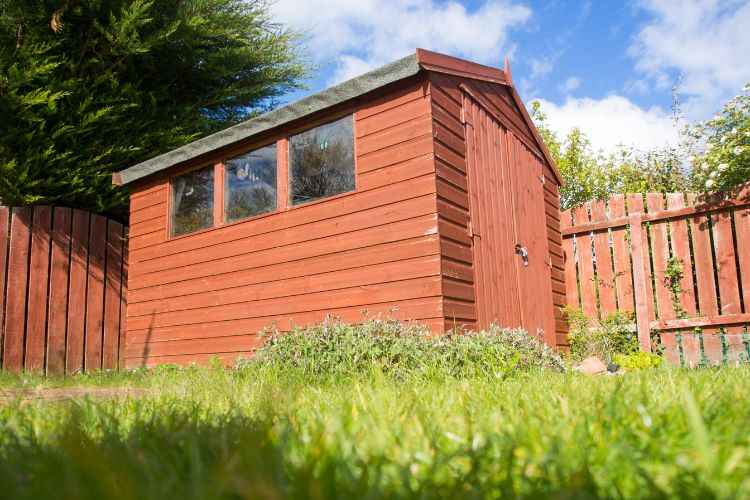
62,290
680,263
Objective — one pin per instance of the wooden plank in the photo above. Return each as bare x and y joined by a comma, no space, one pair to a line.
4,241
392,117
702,322
399,172
395,153
586,266
95,294
660,257
123,301
79,255
36,322
571,278
18,269
712,349
736,349
604,271
726,267
419,226
704,267
691,349
742,229
671,347
639,252
635,205
112,290
58,291
410,130
621,251
681,251
404,310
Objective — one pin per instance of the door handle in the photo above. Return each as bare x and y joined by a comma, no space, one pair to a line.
523,253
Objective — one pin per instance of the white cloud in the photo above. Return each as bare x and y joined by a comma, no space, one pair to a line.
361,35
570,84
612,121
705,41
540,67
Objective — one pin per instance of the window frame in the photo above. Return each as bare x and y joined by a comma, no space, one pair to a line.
170,201
322,123
283,175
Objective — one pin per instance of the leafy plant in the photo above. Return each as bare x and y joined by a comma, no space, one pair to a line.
390,347
612,335
638,360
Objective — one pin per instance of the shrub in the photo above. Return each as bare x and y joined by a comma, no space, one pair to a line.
397,349
637,360
614,335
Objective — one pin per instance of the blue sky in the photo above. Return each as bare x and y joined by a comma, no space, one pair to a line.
606,66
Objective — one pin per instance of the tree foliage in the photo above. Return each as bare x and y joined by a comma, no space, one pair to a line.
724,159
589,176
89,87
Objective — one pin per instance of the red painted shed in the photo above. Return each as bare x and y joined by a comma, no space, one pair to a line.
420,190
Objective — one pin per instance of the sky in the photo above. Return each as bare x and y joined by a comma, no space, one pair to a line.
608,67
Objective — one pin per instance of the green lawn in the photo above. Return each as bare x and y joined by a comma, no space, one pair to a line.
267,432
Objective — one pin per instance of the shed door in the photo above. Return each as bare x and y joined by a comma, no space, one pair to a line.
512,278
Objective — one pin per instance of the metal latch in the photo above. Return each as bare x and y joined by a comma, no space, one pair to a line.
523,253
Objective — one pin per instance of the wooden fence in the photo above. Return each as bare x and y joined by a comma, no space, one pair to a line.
679,262
62,290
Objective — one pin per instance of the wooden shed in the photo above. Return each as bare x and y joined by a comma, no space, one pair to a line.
420,190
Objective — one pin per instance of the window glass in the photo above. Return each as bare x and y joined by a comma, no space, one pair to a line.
192,201
250,184
321,161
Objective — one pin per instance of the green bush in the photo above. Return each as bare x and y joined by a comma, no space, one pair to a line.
393,348
637,360
614,335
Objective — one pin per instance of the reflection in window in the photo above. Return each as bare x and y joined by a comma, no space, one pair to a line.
192,201
250,184
321,161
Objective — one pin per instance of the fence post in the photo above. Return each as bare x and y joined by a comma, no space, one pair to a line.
639,253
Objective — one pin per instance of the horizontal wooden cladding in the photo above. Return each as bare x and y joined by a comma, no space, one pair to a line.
361,276
399,172
410,309
312,266
320,213
390,100
403,132
348,297
392,118
288,241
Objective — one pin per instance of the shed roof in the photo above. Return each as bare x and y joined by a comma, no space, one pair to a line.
398,70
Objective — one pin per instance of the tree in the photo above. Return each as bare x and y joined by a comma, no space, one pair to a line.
588,176
89,87
723,159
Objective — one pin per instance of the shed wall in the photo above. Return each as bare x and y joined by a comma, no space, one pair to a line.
453,199
375,250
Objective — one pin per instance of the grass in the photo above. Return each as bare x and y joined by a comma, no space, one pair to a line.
265,430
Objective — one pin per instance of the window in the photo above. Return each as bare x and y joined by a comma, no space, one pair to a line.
321,161
192,201
250,184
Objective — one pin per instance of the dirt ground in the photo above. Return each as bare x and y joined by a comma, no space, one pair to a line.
68,393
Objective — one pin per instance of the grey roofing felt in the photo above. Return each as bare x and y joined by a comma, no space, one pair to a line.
395,71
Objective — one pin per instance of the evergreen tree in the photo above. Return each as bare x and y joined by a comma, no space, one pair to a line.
89,87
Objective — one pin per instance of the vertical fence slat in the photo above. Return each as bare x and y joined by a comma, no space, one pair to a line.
18,269
36,323
623,273
4,226
660,256
691,349
704,273
726,266
123,299
681,250
95,294
79,250
605,275
640,280
586,265
571,280
112,295
58,291
742,227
